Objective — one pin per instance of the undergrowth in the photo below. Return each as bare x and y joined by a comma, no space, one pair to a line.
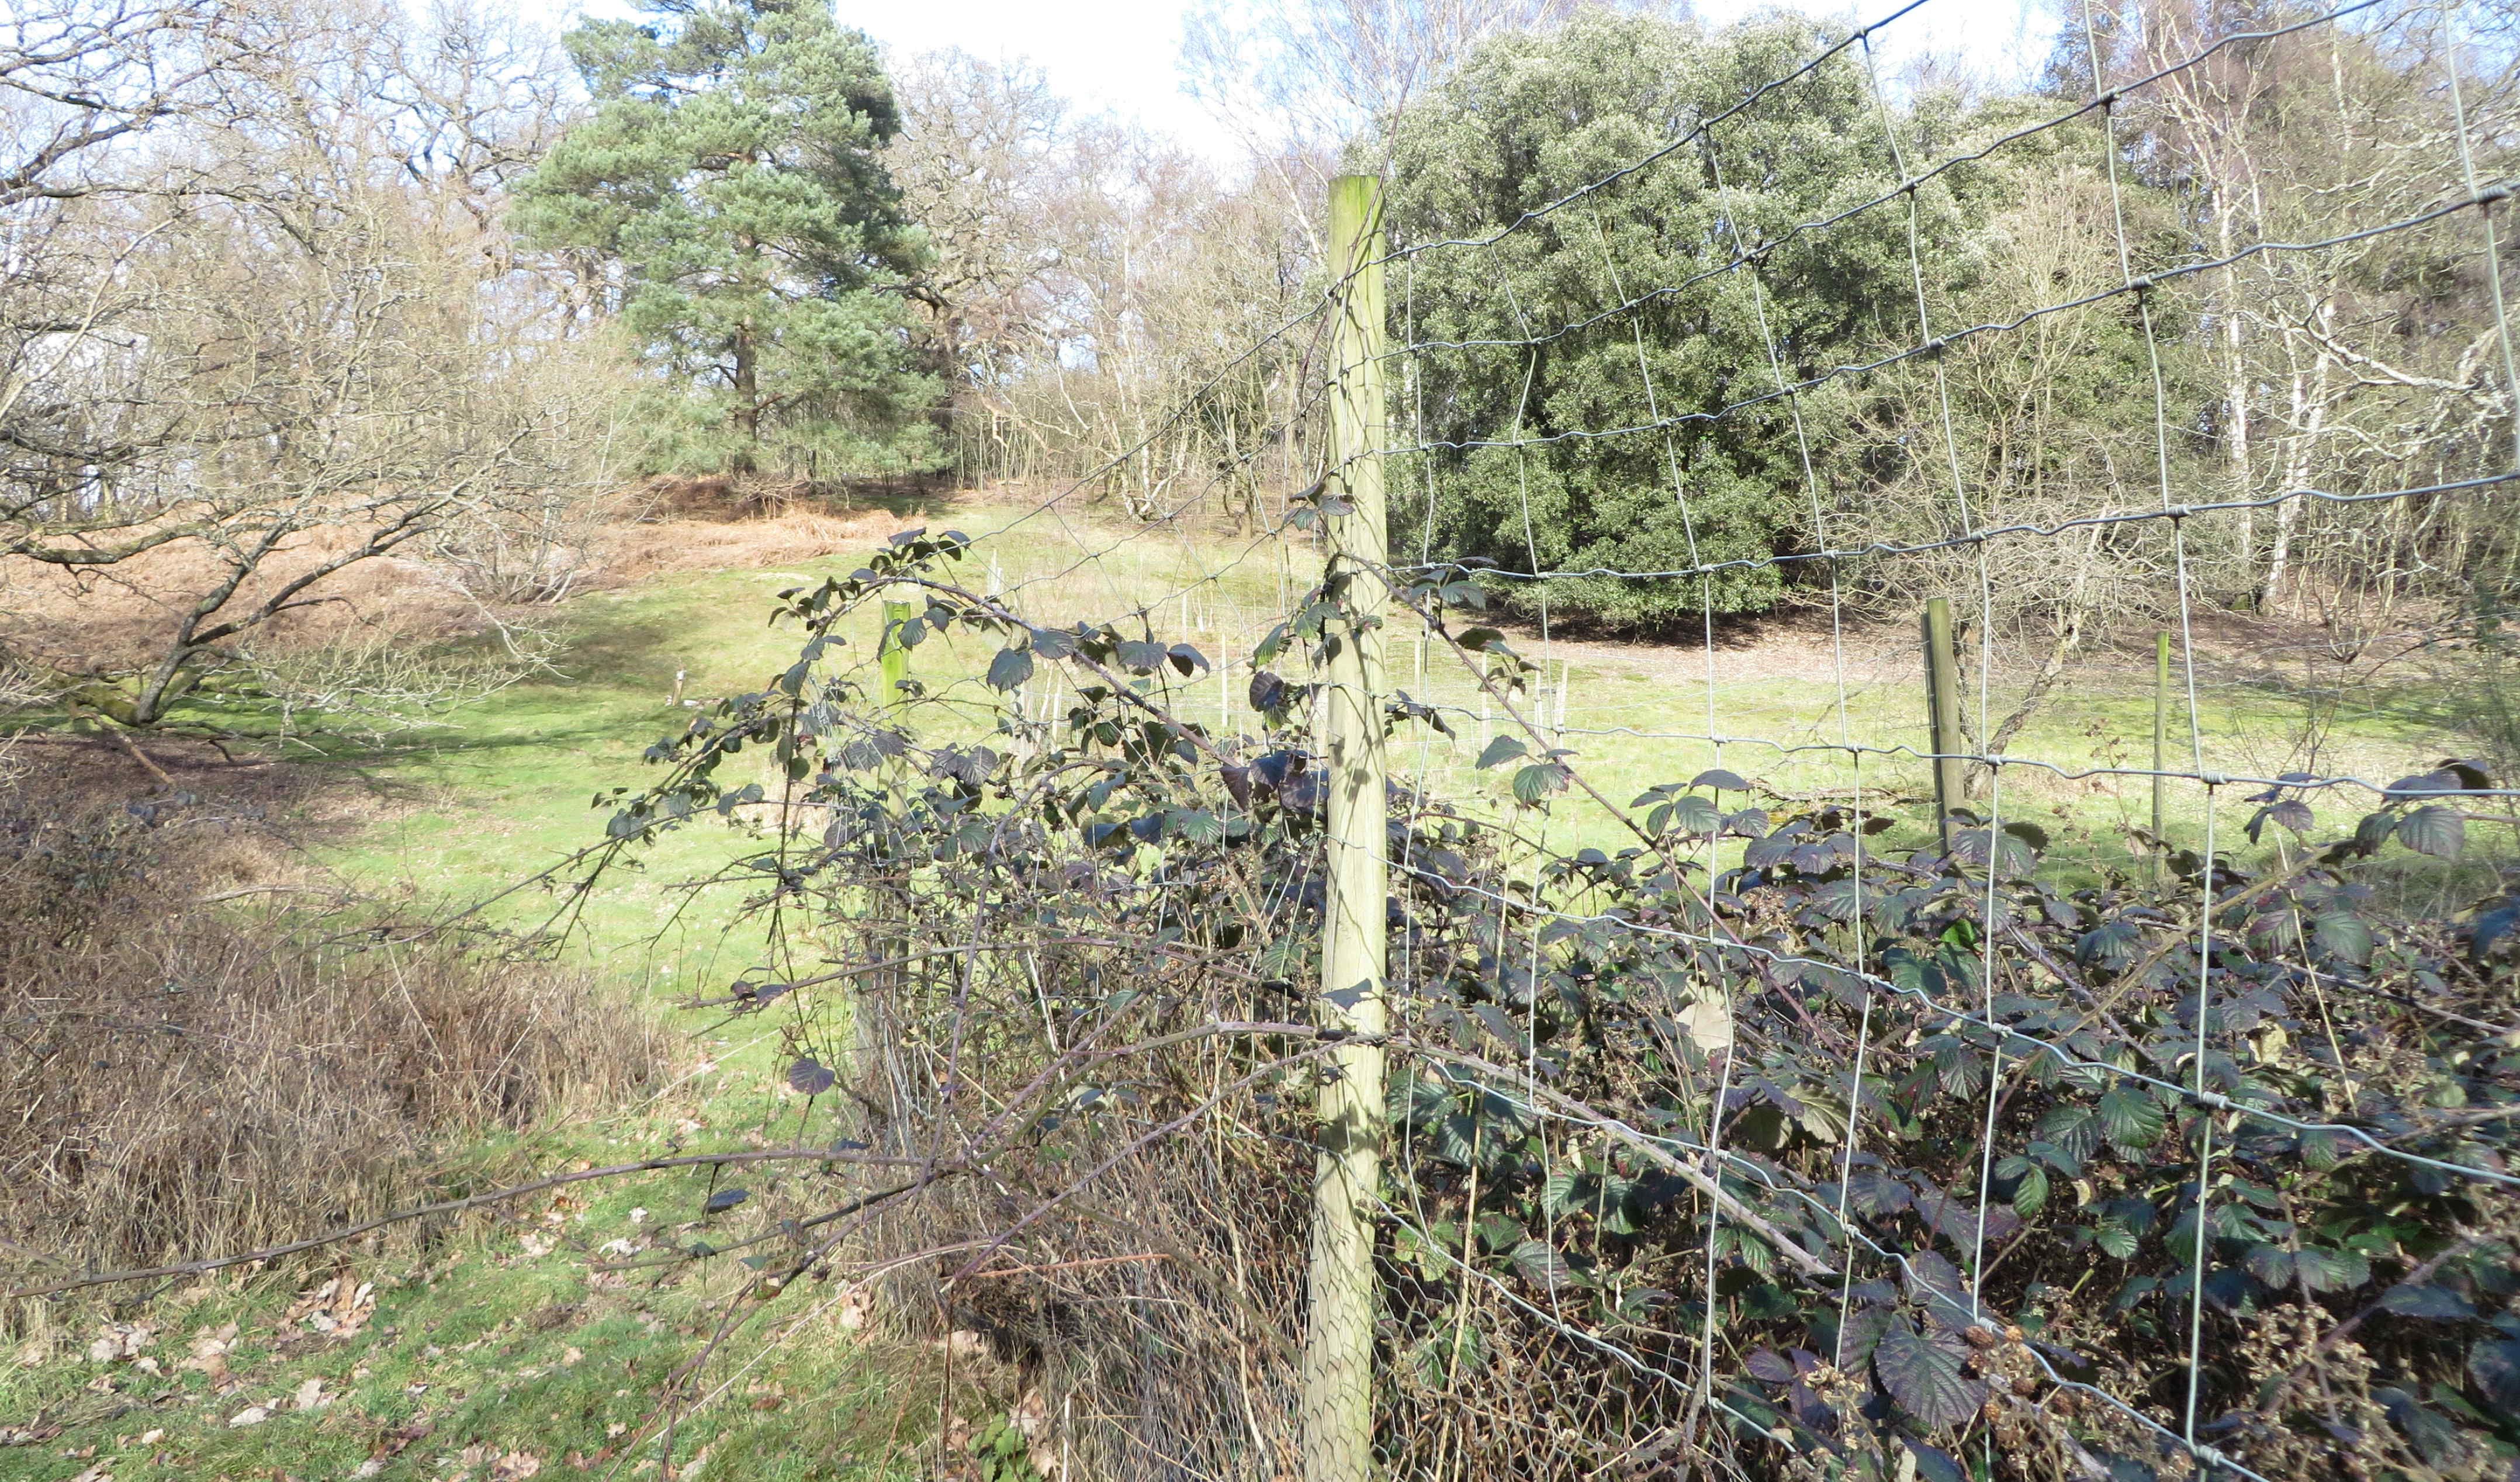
1786,1136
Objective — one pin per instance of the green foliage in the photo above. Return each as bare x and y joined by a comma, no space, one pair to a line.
1000,1453
1927,1375
731,171
1530,119
1672,337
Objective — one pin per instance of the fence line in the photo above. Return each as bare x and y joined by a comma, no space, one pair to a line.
1735,978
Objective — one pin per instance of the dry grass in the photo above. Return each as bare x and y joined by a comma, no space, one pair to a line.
1147,1322
190,1072
678,542
75,620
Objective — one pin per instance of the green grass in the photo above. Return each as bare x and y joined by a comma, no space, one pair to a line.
510,786
505,1352
503,1341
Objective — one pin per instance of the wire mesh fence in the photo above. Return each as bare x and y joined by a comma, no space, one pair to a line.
1797,1047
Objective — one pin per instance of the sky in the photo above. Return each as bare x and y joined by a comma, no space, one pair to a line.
1123,56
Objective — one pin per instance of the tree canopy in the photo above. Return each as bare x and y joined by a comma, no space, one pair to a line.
1531,465
731,170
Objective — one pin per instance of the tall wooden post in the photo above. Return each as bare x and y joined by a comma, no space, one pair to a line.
892,656
2160,739
1943,715
878,992
1339,1289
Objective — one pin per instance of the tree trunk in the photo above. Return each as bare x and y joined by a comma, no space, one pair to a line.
2309,413
2235,385
748,400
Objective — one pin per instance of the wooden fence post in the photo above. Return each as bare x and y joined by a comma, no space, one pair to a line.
876,992
892,656
2160,743
1943,715
1339,1288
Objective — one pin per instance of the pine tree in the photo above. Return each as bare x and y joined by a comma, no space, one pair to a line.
731,171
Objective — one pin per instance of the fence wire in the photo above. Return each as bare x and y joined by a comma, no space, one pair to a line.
1734,1138
2004,1045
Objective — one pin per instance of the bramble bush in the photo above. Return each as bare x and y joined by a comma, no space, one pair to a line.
1899,1138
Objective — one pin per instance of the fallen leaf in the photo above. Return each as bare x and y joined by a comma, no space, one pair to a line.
515,1466
1031,1415
338,1307
252,1414
1708,1023
311,1396
116,1341
210,1353
395,1441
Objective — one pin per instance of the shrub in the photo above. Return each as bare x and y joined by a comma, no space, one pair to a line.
189,1079
1793,1142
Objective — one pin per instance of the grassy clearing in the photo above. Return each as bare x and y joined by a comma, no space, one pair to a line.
1774,706
503,1348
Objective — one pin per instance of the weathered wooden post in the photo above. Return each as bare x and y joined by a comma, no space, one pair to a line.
892,656
877,990
1339,1289
1943,715
2160,744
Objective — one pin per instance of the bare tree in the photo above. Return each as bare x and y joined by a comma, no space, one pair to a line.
78,76
1089,280
1323,73
2356,367
263,327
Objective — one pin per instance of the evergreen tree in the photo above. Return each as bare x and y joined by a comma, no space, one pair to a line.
731,171
1530,461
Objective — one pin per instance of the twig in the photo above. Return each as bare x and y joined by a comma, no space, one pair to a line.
1027,1271
457,1206
1803,1260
